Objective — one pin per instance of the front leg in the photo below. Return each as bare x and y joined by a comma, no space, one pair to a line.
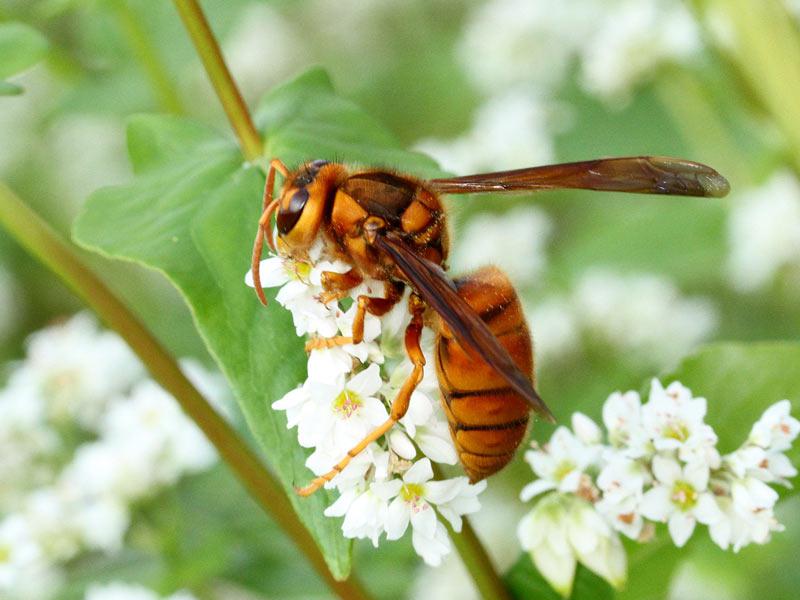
337,285
366,304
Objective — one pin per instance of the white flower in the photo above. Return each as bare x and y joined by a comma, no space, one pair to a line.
561,466
673,419
622,483
511,129
631,40
413,502
25,574
555,329
680,497
739,526
776,429
118,590
423,422
76,369
644,316
339,416
327,364
300,286
562,530
507,42
622,416
364,511
764,232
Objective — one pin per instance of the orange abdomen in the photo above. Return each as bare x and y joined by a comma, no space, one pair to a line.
487,418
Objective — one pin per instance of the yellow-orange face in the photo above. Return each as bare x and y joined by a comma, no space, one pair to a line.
301,208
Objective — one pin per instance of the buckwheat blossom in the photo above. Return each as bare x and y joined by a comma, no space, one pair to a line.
509,130
657,463
631,40
643,315
348,392
73,370
764,233
118,590
82,452
525,232
261,31
617,45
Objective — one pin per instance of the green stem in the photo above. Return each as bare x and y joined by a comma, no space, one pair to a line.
692,112
475,558
208,49
766,50
44,244
148,57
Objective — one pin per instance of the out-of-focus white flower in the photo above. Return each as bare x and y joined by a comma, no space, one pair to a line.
118,590
25,574
151,423
75,370
563,530
511,130
524,230
88,152
681,498
643,315
764,233
262,49
561,465
631,39
555,329
509,42
740,526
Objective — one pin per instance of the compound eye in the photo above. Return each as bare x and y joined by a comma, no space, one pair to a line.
288,217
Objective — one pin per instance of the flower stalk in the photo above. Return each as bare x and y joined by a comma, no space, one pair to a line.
31,232
209,51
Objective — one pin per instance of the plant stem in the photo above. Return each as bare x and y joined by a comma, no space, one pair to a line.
44,244
147,55
208,49
475,558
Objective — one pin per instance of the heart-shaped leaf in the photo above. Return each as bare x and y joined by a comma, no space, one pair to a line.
191,213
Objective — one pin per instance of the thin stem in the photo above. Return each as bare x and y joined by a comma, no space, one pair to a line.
208,49
44,244
147,55
475,558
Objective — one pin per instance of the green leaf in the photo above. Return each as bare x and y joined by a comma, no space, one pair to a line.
525,582
191,213
21,47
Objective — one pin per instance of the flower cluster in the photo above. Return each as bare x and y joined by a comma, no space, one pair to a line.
658,464
83,436
118,590
764,233
644,317
616,44
347,394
